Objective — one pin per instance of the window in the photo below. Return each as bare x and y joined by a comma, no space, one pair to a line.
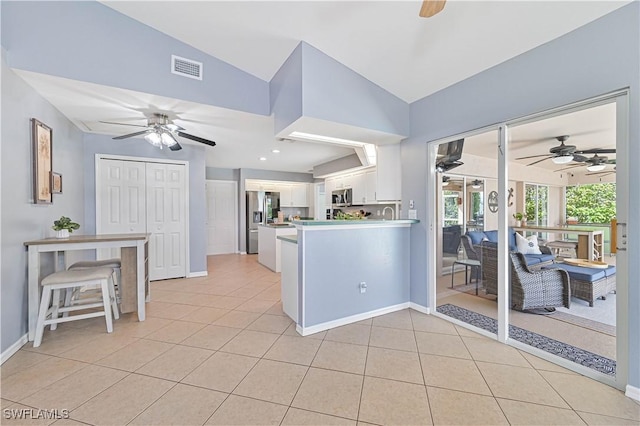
452,210
537,204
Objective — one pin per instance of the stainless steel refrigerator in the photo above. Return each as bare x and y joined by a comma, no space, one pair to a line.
262,208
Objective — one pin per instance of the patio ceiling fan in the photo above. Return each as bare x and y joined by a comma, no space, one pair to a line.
594,164
160,131
563,154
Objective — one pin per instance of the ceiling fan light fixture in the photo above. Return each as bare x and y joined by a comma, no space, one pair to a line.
563,159
153,138
596,167
476,184
168,139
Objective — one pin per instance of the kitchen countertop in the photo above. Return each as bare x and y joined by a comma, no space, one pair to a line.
354,222
288,238
279,225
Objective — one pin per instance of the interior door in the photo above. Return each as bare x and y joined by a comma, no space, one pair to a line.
120,201
221,217
166,221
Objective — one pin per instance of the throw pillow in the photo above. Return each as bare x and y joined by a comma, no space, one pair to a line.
527,245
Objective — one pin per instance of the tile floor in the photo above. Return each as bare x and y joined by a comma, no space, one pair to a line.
219,350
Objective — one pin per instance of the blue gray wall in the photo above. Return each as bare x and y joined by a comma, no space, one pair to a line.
219,173
285,90
21,219
598,58
331,281
87,41
136,147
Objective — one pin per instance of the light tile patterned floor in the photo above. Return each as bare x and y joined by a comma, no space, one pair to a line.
219,350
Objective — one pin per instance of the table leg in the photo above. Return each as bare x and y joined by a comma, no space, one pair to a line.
128,279
141,284
34,289
453,267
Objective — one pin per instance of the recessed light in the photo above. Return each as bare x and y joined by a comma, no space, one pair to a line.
263,158
275,151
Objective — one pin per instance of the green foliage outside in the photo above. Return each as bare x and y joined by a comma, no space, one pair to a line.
536,204
593,203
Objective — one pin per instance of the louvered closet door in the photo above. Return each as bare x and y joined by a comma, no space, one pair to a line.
120,200
166,221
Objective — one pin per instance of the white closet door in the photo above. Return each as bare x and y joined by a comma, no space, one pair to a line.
221,217
120,200
166,221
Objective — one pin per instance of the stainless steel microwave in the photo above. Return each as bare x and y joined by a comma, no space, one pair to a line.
341,197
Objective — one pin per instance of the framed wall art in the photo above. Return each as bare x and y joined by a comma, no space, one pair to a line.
56,183
42,140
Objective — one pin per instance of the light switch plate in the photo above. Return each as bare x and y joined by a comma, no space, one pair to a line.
411,204
413,214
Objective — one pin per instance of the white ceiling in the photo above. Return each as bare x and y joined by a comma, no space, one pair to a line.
384,41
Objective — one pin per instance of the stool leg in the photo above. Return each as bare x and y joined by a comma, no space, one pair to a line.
55,305
106,303
453,267
112,297
42,315
68,295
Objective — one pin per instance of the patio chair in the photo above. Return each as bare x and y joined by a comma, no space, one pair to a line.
530,290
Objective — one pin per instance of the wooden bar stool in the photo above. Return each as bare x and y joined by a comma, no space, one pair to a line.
69,281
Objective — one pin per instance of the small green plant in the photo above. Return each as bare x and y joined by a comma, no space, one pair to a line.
65,223
518,216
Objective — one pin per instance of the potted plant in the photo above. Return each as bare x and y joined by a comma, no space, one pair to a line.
64,226
519,217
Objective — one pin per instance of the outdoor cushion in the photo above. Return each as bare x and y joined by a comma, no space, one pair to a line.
476,237
492,236
611,270
580,272
533,259
528,245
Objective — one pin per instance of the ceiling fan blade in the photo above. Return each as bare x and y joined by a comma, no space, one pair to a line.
596,151
533,156
131,135
579,158
122,124
612,161
197,139
431,7
539,161
602,174
570,167
175,147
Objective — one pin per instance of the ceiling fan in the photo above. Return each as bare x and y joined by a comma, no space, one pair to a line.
431,7
594,164
563,154
160,131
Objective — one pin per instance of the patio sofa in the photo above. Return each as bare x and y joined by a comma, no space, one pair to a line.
535,261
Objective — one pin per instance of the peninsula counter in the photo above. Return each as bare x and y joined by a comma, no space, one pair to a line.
338,272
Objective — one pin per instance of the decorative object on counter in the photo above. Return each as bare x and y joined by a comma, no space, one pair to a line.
572,221
280,216
349,216
520,219
64,226
42,139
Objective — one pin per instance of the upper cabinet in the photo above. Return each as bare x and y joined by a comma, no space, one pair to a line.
374,184
294,195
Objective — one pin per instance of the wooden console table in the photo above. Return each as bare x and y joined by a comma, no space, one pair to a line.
590,241
134,283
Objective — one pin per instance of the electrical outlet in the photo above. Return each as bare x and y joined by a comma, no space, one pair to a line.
377,212
363,287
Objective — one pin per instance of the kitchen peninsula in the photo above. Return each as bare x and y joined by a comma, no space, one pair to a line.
338,272
269,246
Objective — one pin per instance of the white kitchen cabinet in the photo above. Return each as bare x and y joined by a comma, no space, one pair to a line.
358,189
294,195
329,186
370,182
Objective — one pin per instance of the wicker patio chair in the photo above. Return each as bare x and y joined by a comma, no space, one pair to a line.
471,254
529,289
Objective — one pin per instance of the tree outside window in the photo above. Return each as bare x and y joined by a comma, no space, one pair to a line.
592,203
537,204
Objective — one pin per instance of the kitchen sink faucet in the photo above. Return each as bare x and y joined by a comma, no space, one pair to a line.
384,211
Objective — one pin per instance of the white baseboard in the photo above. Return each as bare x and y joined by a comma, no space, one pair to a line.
420,308
197,274
305,331
243,252
14,348
633,392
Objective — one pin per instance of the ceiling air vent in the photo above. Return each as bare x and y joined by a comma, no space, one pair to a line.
186,67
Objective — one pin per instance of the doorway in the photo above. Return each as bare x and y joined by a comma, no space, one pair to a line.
138,196
540,192
222,217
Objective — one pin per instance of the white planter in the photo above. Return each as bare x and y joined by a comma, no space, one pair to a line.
518,223
63,233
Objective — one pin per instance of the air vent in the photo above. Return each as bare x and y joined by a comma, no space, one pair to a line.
186,67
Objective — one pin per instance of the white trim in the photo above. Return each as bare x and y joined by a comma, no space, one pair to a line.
305,331
11,350
197,274
242,253
419,308
633,392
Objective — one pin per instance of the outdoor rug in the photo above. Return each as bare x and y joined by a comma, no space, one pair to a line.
577,355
